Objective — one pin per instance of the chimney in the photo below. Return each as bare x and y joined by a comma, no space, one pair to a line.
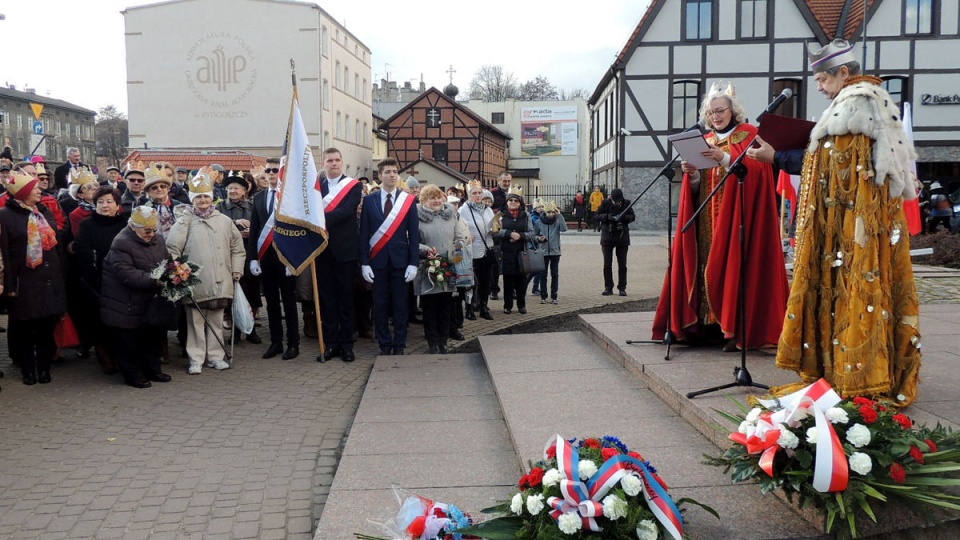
30,90
407,86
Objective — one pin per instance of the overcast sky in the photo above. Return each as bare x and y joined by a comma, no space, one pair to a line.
74,50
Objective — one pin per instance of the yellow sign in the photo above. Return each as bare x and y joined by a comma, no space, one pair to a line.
37,109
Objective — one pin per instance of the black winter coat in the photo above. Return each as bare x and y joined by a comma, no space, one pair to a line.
41,291
510,251
93,243
127,286
614,232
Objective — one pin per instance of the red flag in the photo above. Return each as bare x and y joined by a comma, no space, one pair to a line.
787,188
911,208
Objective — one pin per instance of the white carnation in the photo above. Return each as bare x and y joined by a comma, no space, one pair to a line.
551,478
647,530
535,504
812,435
516,504
614,507
787,439
753,415
744,427
837,415
861,463
570,523
631,485
858,435
587,469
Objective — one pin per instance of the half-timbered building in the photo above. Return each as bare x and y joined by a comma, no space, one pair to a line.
436,127
680,47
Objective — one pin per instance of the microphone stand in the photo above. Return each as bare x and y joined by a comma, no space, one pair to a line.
740,374
667,172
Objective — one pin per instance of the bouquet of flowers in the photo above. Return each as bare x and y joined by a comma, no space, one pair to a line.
841,455
420,518
177,277
588,488
438,269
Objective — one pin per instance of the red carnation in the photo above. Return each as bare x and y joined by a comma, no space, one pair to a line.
535,478
552,452
897,473
591,443
933,447
608,453
869,415
881,408
860,400
635,455
916,454
903,420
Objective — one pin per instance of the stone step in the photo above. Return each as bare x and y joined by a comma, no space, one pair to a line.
564,383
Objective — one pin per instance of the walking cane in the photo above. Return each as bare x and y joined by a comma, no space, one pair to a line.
216,331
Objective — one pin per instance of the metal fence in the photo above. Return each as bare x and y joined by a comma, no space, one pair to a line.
561,194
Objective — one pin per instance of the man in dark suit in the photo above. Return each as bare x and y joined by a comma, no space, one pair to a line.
279,285
61,175
337,265
114,180
389,253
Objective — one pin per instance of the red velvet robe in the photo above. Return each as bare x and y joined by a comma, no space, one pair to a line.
766,278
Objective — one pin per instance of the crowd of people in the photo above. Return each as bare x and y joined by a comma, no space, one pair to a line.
81,252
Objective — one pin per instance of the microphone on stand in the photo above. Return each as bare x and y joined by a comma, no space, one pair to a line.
777,101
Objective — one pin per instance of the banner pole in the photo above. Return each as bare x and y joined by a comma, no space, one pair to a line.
316,305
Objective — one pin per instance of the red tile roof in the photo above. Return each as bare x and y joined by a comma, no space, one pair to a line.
839,18
232,160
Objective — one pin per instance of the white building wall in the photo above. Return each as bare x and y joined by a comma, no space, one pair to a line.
688,59
789,21
949,18
649,61
663,28
194,85
886,21
895,55
789,57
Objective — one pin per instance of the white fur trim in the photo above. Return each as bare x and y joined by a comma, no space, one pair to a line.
866,109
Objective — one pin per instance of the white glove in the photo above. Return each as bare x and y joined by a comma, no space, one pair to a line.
410,273
367,273
255,268
287,271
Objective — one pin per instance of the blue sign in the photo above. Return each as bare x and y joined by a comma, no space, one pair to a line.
37,127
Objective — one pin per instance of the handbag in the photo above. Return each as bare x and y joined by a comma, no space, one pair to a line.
65,333
531,260
463,268
161,312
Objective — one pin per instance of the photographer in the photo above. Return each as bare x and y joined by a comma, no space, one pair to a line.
615,234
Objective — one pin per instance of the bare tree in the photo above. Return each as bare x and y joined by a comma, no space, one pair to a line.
492,83
538,89
566,95
112,134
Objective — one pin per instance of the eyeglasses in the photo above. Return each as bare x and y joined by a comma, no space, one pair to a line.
158,187
271,171
717,112
134,180
148,231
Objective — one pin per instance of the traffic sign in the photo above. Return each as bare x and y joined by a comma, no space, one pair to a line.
38,127
37,109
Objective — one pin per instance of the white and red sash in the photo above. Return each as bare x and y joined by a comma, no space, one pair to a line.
266,234
391,223
337,192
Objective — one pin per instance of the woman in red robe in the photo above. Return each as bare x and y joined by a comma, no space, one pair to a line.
703,285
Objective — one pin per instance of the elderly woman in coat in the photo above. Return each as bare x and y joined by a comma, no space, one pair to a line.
514,230
127,290
32,276
210,239
441,231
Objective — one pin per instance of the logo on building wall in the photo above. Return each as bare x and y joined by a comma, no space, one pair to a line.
221,72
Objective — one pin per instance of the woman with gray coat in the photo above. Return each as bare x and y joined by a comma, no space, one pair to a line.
126,292
548,229
210,239
441,232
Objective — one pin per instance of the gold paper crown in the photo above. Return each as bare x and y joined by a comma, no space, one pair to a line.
550,206
41,169
474,184
154,174
144,216
718,89
81,176
202,183
258,170
20,180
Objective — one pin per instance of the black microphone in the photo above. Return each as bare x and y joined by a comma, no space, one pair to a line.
698,126
785,95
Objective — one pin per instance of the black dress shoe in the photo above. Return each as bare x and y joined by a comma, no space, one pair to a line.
82,352
623,292
507,310
30,379
414,319
331,353
348,355
444,349
273,350
160,377
139,383
457,335
433,350
471,314
398,351
386,351
607,292
44,377
522,311
292,352
494,296
485,314
252,337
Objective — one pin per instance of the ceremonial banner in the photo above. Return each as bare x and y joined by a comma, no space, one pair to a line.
300,230
911,208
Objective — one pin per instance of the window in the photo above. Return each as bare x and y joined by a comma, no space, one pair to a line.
440,152
365,85
338,132
496,118
686,104
326,139
793,106
346,79
753,19
20,122
325,41
699,19
357,134
356,86
918,17
897,87
366,133
326,94
346,127
337,81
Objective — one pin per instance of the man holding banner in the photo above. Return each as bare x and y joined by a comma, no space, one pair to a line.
389,254
336,267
